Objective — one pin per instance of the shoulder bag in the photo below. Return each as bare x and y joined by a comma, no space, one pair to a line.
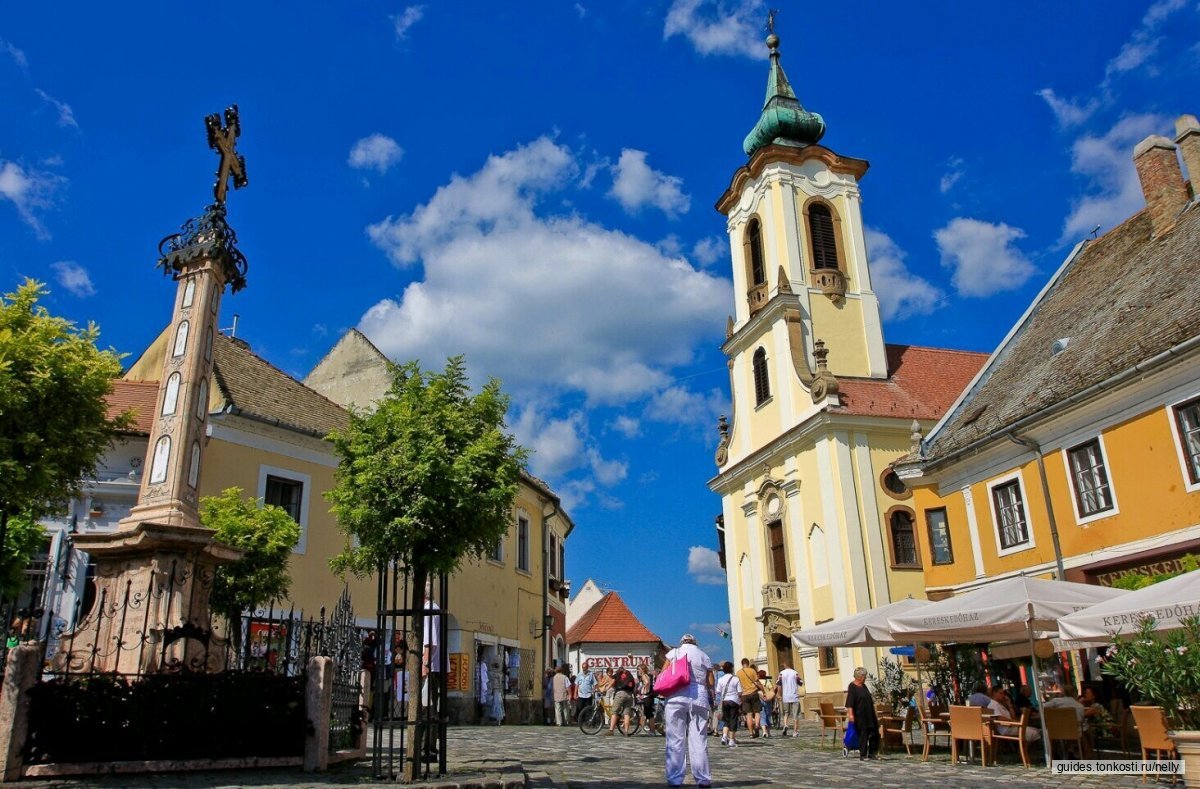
674,676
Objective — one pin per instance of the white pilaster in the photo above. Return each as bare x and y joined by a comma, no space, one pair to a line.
973,530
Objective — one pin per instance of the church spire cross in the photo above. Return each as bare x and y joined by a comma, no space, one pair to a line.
223,140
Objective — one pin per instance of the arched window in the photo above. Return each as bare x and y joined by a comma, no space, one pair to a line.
903,538
189,293
202,399
754,248
171,396
181,337
762,384
823,237
162,454
194,465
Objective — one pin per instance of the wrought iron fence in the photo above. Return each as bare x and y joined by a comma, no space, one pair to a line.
409,669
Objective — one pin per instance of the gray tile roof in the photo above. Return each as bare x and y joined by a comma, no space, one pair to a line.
1124,298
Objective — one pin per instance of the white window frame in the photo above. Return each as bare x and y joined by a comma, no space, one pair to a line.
1184,467
992,485
305,494
497,556
1080,519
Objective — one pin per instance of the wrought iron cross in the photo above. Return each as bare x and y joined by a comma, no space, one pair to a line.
771,19
223,140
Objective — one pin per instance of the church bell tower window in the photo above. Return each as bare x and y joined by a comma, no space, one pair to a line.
756,268
762,384
824,242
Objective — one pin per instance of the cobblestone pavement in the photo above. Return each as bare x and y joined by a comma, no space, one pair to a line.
565,758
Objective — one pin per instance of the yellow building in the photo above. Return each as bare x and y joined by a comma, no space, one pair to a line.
815,524
1076,450
266,435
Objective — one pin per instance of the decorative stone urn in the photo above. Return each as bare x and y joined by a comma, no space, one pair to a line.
1188,745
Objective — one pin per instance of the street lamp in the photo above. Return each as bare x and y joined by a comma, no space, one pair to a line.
547,623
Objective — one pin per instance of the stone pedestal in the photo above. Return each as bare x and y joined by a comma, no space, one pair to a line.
1188,745
151,609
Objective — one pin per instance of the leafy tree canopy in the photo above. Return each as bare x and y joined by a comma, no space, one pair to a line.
25,536
53,417
429,476
266,534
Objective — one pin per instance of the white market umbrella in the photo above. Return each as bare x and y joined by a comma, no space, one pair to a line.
866,629
1167,602
1002,611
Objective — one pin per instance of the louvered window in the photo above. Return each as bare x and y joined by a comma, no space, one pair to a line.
824,242
762,385
758,274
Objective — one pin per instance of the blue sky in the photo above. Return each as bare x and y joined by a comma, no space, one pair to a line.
531,184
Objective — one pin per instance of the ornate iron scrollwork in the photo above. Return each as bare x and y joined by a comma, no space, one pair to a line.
206,236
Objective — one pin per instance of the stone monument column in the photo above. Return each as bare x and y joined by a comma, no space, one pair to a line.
154,574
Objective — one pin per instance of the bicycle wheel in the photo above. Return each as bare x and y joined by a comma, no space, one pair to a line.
591,720
635,724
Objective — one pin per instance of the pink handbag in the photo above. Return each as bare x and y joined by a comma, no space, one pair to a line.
674,676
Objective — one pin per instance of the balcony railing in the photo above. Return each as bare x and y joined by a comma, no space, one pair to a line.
780,597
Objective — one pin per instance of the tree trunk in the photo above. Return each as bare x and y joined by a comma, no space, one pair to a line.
415,742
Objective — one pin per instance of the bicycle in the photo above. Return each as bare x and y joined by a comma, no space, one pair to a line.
596,716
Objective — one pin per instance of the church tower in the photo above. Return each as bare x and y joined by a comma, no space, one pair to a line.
804,307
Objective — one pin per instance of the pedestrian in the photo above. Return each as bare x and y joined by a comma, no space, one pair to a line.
646,696
548,697
729,696
560,687
751,701
768,703
686,716
788,686
715,718
585,686
497,690
625,685
860,710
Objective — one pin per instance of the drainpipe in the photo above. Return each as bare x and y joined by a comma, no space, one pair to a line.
1033,447
547,641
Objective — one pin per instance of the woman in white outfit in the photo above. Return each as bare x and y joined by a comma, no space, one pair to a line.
686,716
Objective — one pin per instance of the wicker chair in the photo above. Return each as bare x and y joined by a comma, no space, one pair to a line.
1062,725
1152,731
898,729
966,723
932,726
831,722
1018,736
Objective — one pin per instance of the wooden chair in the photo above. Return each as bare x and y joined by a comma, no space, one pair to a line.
830,721
932,726
1018,736
1152,731
1062,725
898,729
966,723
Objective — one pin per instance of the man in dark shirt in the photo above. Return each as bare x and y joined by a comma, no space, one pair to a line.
624,683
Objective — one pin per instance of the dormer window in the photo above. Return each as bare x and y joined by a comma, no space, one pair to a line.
762,384
824,242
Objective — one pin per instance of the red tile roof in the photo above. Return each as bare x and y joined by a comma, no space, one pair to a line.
141,397
610,621
922,384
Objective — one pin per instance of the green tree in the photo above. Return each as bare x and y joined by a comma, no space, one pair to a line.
25,536
425,479
266,534
54,422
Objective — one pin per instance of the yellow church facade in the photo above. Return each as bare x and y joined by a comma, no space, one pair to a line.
815,525
1076,451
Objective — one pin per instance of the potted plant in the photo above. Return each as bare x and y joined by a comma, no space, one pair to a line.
1163,669
96,511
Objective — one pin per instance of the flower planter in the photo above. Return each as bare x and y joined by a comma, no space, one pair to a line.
1188,745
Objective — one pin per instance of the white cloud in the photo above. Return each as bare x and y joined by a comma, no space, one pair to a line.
1143,44
376,152
634,312
954,172
74,278
17,55
679,405
1068,112
606,472
66,117
983,256
636,185
901,293
704,565
719,27
30,191
406,19
1106,161
627,426
708,251
579,9
560,446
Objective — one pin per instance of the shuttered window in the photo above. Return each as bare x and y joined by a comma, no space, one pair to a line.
762,385
824,241
758,274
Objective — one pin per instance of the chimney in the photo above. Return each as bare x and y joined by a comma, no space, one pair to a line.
1162,181
1187,137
